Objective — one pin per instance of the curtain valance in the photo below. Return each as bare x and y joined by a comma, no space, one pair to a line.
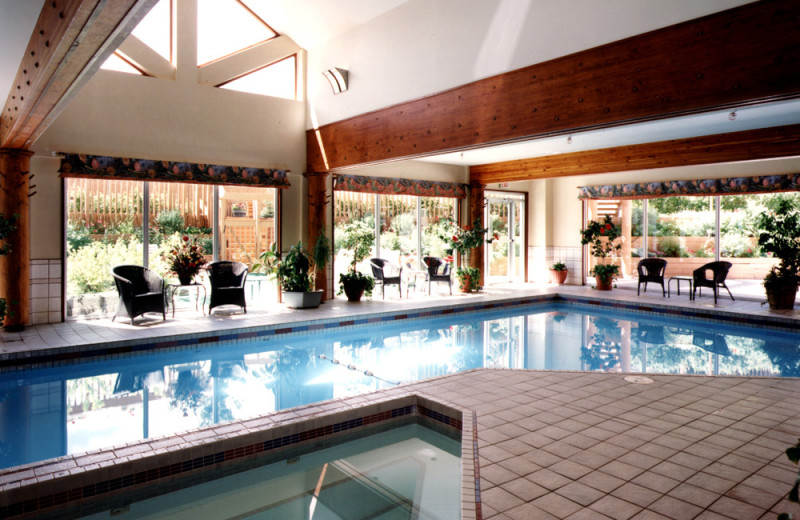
124,168
388,186
698,187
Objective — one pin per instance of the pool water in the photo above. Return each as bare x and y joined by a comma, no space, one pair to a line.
45,413
407,472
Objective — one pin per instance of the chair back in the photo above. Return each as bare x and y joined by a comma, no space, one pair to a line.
719,272
652,268
432,264
377,265
142,279
225,273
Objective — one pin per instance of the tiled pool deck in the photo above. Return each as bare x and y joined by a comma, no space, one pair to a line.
548,444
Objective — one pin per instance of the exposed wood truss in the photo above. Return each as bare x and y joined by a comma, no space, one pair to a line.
745,55
747,145
71,40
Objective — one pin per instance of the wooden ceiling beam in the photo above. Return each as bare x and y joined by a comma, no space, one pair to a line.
746,55
70,41
747,145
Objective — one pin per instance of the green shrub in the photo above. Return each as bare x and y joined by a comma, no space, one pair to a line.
671,247
77,237
90,266
207,243
170,222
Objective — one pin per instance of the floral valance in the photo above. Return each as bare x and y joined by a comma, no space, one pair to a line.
387,186
699,187
124,168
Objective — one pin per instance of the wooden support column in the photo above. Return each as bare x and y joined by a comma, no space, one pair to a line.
477,202
317,195
15,267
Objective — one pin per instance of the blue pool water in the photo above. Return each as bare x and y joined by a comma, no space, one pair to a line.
50,412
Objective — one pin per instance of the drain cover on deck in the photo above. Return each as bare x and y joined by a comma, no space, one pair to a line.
639,380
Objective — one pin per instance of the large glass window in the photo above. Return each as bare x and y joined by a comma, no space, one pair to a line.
684,231
407,224
106,219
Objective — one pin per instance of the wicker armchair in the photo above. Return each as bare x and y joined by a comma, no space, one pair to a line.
140,290
227,284
380,269
432,265
718,271
651,270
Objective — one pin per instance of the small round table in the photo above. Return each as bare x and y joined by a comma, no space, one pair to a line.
175,287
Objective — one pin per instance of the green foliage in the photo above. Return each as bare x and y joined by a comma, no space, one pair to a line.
737,246
603,237
296,270
469,278
358,237
170,222
671,247
464,239
605,272
669,205
207,243
90,266
780,236
793,454
186,258
357,281
559,266
637,214
77,237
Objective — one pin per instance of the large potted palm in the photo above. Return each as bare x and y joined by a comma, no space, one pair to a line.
780,236
605,239
296,271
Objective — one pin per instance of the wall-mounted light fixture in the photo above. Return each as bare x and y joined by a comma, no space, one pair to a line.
337,78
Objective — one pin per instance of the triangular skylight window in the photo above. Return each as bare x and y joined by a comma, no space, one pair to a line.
225,27
277,80
115,62
155,29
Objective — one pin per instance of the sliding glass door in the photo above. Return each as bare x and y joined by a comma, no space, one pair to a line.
505,218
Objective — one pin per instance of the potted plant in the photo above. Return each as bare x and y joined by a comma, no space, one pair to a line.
464,240
780,236
239,209
605,239
296,271
7,226
558,272
358,237
185,260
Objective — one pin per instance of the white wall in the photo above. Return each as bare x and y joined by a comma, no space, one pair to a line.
423,47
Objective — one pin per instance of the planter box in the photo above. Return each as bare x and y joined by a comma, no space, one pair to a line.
302,300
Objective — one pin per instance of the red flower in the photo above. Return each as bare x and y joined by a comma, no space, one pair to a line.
455,238
185,238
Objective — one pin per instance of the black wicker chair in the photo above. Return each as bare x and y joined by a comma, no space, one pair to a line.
718,271
227,284
140,290
432,265
651,270
380,268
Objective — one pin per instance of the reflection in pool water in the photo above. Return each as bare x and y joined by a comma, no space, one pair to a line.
51,412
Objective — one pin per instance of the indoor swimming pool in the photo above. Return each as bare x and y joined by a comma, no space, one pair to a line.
83,406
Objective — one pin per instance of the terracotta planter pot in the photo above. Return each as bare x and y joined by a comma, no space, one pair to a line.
602,284
782,298
354,292
464,284
559,277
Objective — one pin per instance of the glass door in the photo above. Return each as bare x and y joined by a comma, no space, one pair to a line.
505,219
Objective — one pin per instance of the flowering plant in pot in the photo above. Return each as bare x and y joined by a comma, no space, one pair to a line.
239,209
186,259
780,236
358,237
464,240
558,271
605,239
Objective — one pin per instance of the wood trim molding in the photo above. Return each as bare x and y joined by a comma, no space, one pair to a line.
692,67
70,41
747,145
